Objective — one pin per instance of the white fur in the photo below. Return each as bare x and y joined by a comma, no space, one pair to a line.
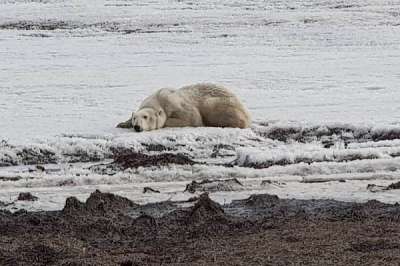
191,106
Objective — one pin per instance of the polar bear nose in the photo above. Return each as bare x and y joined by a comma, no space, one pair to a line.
137,128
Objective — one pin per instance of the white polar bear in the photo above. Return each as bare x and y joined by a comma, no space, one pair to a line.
196,105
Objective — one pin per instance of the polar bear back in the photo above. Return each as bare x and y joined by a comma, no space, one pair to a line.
205,90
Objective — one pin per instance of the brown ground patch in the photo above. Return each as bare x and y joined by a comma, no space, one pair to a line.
261,230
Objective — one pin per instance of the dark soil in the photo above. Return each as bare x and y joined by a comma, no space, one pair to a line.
134,160
26,196
214,185
127,159
261,230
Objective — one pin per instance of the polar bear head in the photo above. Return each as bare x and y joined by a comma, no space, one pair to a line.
147,119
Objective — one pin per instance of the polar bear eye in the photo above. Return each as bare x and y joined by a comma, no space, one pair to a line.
145,116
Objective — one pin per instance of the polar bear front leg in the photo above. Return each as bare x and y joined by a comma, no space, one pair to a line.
126,124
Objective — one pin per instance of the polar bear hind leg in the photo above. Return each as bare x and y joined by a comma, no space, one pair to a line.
225,112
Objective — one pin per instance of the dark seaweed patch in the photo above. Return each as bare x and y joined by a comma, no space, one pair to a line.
343,6
48,25
345,133
26,196
376,188
214,185
150,190
36,156
108,26
131,159
100,231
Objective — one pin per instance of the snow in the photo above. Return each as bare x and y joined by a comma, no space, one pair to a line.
71,70
250,156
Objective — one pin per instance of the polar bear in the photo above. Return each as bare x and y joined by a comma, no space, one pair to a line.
197,105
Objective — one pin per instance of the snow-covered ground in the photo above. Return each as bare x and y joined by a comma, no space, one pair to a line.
329,71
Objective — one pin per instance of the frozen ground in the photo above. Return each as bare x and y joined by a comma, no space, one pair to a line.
322,74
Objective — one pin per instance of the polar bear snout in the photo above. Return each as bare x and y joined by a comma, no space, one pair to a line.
137,128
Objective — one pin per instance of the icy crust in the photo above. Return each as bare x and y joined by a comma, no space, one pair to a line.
176,162
196,143
63,149
190,154
255,158
262,146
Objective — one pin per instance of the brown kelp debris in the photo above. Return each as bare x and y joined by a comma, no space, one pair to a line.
214,185
222,150
150,190
131,159
128,159
112,230
26,196
327,133
377,188
268,182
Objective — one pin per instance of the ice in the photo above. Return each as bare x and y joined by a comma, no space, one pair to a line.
306,165
263,158
319,77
